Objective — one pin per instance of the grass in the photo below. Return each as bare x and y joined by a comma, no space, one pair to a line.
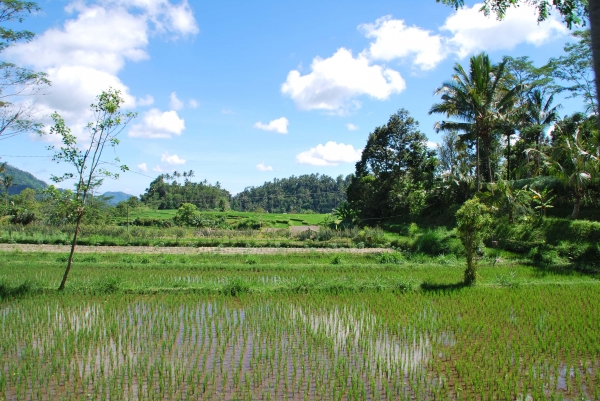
232,217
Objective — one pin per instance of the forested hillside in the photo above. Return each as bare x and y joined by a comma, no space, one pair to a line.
19,180
309,192
163,194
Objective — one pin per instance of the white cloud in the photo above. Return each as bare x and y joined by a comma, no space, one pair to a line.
331,154
263,167
175,103
474,32
145,101
157,168
157,124
142,167
193,104
279,125
432,145
84,55
335,82
394,40
351,127
171,159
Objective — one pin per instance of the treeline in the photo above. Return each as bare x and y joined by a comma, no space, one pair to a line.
503,142
306,193
163,194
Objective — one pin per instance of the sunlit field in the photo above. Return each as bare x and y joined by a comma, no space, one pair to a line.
294,326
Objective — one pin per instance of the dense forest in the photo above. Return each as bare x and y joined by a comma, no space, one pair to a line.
306,193
163,194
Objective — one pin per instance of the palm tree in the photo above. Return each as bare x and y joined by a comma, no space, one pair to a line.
538,115
477,98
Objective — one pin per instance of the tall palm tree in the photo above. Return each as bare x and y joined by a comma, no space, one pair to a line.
538,115
476,98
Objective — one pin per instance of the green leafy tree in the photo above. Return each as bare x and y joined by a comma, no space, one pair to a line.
473,224
394,163
108,123
17,118
187,215
572,160
576,71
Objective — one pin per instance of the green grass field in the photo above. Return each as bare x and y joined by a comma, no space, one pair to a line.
293,219
307,326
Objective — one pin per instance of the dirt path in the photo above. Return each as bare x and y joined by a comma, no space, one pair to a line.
179,250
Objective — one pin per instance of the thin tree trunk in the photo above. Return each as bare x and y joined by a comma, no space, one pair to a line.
477,183
594,11
73,245
575,213
508,158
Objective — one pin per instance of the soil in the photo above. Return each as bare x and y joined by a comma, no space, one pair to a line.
179,250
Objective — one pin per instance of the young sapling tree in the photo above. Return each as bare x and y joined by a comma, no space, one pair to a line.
108,122
474,222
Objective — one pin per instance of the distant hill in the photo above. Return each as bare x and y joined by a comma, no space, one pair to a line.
117,197
22,180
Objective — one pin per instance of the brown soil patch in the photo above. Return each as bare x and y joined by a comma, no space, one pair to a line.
179,250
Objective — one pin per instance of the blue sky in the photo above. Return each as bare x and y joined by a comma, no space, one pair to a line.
243,92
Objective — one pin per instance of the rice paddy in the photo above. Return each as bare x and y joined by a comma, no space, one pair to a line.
295,327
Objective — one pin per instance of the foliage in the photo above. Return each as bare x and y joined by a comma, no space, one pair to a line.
473,225
319,193
574,12
187,215
477,99
164,195
16,81
395,162
576,70
21,179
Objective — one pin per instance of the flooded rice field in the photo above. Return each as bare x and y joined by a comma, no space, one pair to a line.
496,344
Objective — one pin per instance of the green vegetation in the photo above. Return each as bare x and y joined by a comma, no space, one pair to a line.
20,180
380,325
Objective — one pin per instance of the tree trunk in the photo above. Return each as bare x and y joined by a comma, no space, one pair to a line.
577,201
508,157
477,183
594,10
73,245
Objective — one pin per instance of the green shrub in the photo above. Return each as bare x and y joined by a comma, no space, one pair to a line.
390,258
337,260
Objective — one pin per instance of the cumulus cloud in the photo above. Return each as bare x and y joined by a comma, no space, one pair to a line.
193,103
263,167
175,103
279,125
157,124
351,127
394,40
84,55
157,168
432,145
142,167
473,32
171,159
331,154
334,82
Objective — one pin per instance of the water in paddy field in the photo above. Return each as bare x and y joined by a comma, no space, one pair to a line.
189,349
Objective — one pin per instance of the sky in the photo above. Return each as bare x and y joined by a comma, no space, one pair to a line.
244,92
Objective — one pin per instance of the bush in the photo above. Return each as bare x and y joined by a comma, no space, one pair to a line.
235,287
371,236
390,258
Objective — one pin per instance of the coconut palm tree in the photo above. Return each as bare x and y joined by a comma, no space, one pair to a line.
477,99
538,115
